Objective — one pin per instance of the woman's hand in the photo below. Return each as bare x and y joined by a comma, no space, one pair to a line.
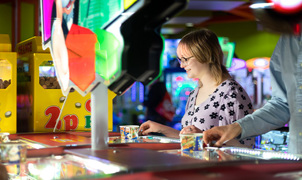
190,129
150,126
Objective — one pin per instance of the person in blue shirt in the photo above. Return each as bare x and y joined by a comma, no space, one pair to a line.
286,103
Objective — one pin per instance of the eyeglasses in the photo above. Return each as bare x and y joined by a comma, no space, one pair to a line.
184,61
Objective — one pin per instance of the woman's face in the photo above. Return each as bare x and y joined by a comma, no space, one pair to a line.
191,65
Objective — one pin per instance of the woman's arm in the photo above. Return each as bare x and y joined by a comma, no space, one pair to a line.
151,126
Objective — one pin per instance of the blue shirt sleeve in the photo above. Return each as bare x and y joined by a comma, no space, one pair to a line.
275,113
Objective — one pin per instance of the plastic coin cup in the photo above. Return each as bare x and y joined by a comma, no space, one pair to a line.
129,133
191,142
4,137
13,152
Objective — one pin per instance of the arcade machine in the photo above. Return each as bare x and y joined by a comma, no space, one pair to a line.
43,103
8,86
276,139
179,86
261,78
129,108
240,73
86,49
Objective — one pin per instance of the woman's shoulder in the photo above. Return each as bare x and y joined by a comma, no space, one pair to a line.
231,86
235,93
233,90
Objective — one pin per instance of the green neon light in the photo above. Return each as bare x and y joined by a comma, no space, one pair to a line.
107,55
228,49
98,13
161,60
187,85
161,57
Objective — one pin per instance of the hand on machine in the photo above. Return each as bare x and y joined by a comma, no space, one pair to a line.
150,126
220,135
190,129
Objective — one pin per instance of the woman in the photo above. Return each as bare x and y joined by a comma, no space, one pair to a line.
218,99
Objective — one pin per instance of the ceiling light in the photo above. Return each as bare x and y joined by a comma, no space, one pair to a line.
189,24
261,5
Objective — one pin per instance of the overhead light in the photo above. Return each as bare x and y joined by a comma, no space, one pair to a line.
189,24
171,30
281,6
262,5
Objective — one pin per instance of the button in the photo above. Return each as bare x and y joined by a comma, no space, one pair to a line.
300,110
78,105
300,87
8,114
62,99
300,133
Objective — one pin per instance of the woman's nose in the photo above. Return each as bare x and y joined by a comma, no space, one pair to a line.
182,65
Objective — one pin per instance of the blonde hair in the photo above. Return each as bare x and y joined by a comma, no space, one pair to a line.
205,47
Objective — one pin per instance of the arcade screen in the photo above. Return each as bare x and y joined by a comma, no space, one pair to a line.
170,56
179,86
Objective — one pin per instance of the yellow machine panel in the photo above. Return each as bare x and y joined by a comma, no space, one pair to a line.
42,99
8,86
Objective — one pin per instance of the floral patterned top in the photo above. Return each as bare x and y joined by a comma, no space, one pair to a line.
228,103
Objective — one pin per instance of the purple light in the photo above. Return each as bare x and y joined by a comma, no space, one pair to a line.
47,10
237,64
141,92
133,92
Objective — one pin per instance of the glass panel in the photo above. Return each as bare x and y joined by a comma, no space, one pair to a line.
47,76
97,14
5,73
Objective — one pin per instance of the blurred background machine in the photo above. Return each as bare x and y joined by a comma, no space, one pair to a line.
8,86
